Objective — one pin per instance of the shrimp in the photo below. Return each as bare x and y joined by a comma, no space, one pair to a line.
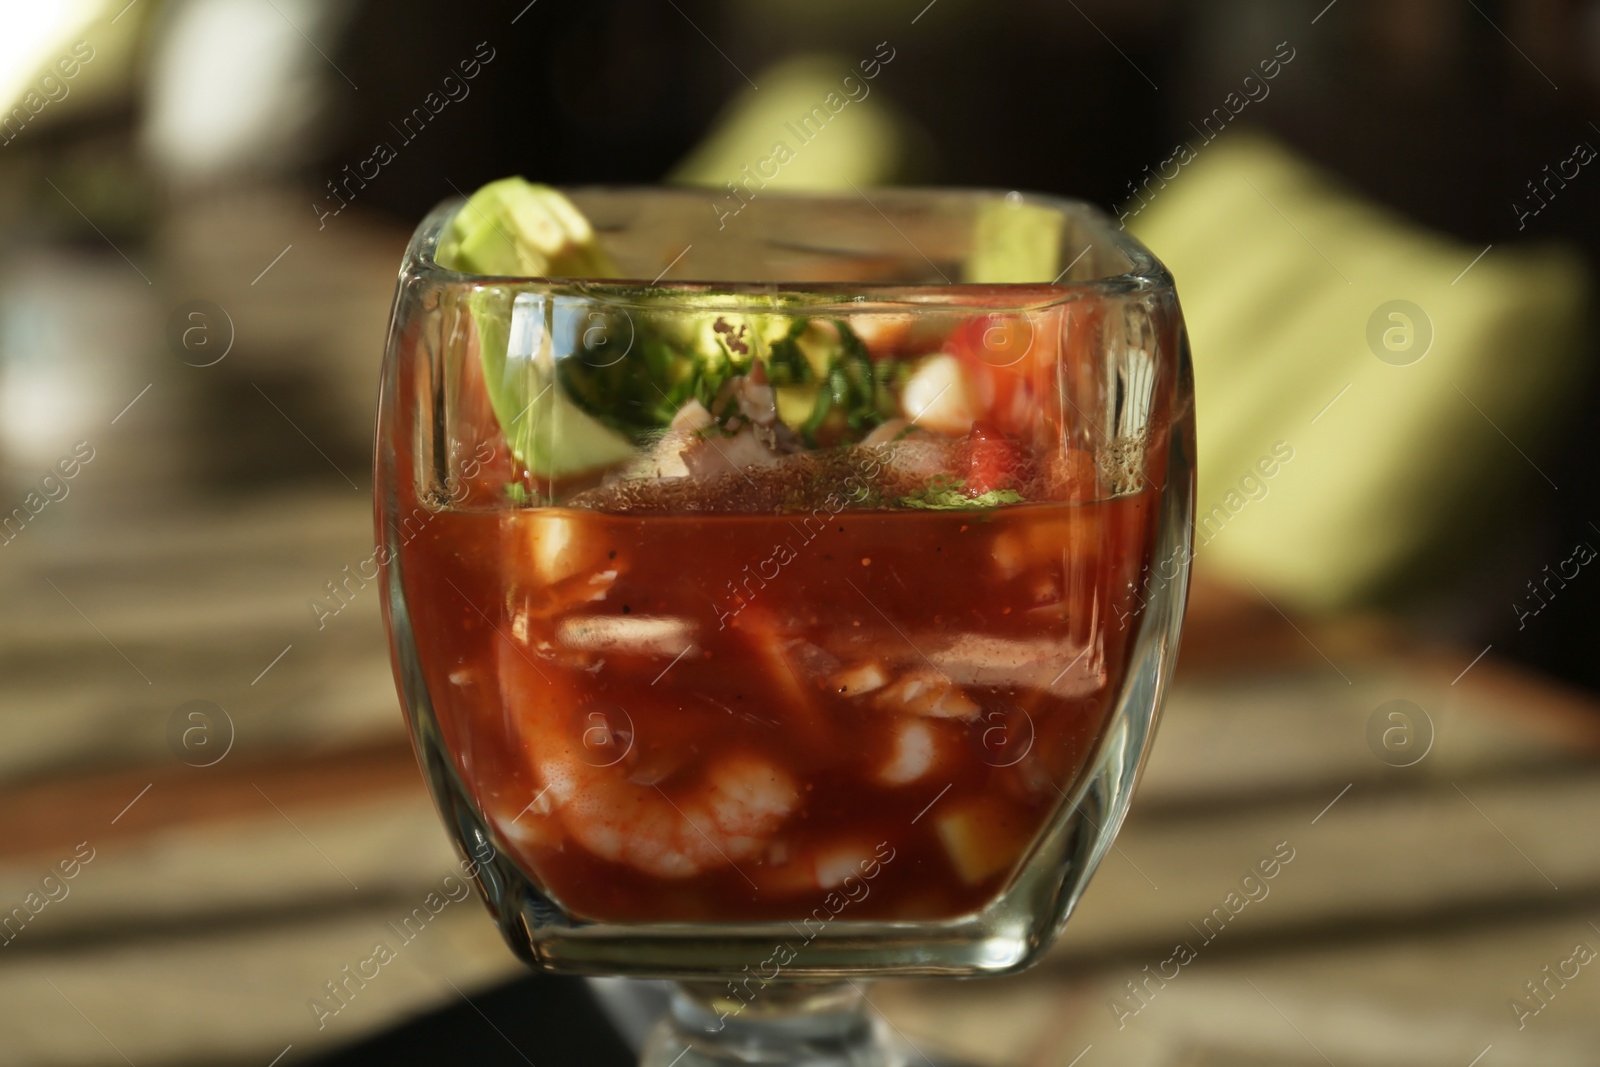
802,868
727,813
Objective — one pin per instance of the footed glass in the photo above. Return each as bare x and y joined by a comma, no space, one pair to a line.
795,608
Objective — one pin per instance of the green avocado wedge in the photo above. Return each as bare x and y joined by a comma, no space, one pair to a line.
548,434
1014,241
516,228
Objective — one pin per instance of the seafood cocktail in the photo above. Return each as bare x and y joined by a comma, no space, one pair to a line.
806,618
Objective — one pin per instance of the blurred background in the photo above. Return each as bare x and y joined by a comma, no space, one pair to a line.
1381,221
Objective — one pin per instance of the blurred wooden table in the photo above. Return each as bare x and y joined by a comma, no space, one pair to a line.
220,899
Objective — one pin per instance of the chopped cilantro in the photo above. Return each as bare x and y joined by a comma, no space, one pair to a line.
829,385
947,495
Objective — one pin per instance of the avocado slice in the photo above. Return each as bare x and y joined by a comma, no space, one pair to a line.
516,227
548,434
1014,241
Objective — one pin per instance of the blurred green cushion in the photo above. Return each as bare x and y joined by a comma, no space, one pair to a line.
1280,272
864,142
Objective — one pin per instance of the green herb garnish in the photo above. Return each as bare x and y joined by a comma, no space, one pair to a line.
826,385
580,382
944,494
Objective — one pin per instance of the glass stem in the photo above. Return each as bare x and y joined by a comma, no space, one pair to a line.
817,1024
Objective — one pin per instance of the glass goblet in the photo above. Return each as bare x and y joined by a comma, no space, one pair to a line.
797,607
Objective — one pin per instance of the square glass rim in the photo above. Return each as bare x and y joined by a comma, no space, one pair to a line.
1094,257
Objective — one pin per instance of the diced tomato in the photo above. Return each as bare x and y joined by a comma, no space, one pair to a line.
993,460
1001,354
1000,341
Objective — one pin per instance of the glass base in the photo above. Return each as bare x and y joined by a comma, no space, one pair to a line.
815,1024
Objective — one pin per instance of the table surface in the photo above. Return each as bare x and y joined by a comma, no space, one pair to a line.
1419,902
